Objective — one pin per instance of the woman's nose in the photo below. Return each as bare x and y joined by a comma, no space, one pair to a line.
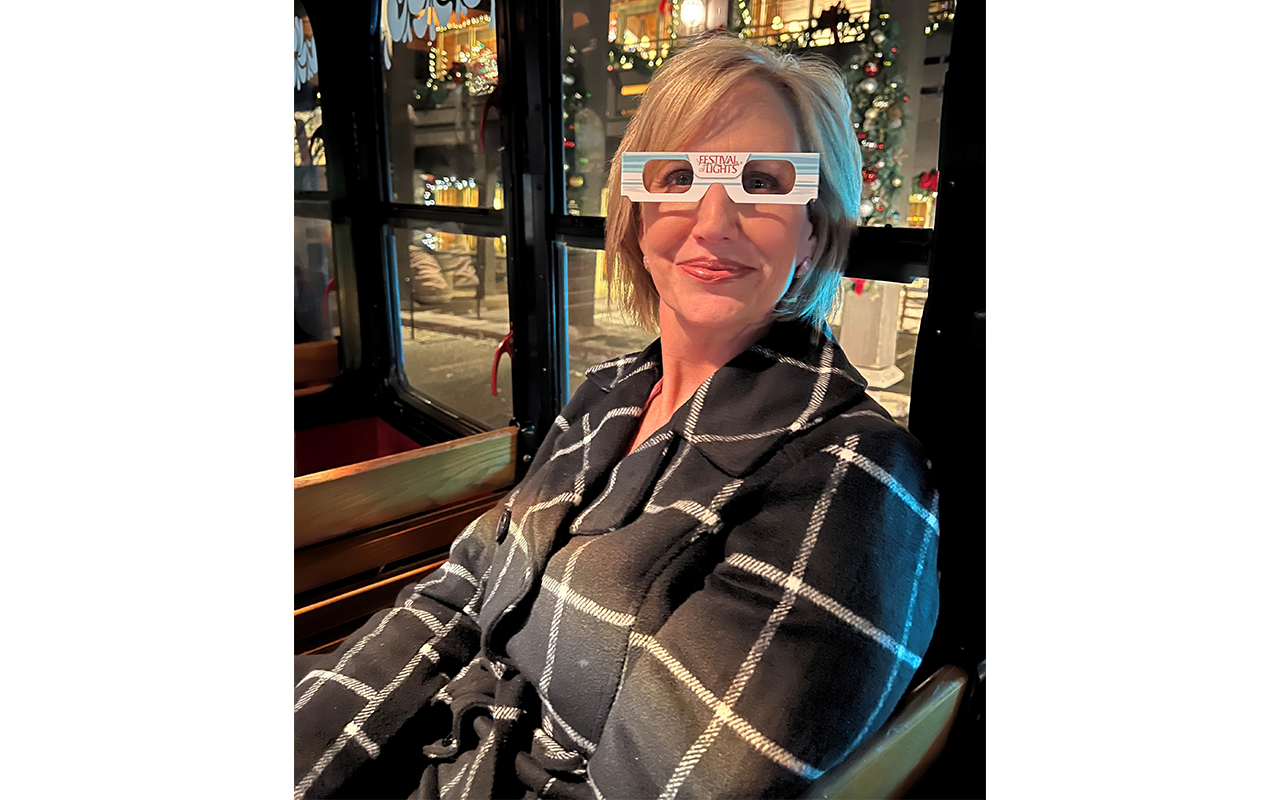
717,215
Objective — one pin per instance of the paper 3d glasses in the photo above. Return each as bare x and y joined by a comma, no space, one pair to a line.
789,178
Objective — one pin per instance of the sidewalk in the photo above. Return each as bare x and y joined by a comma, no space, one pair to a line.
608,338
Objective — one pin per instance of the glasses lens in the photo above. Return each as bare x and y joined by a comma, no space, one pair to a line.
768,177
670,176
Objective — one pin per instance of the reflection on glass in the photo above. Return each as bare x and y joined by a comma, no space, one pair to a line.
440,72
453,315
877,324
308,123
596,332
894,63
315,291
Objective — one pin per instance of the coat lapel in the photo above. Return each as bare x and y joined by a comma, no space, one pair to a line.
616,482
547,503
792,379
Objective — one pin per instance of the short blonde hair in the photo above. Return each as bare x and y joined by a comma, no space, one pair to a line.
683,90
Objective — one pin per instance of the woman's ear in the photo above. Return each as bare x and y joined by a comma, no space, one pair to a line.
809,246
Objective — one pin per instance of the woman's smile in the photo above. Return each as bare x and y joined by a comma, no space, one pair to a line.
709,270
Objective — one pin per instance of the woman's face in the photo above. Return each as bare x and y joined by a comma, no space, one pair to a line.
718,264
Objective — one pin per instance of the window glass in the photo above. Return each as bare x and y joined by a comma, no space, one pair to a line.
308,124
440,70
876,323
893,57
315,291
453,317
597,332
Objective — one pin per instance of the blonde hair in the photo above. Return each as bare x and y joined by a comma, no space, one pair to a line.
681,93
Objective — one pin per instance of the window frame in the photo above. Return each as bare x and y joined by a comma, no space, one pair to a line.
534,219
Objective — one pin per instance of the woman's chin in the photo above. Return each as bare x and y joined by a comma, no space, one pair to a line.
716,313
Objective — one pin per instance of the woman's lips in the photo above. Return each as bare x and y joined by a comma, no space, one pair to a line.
713,271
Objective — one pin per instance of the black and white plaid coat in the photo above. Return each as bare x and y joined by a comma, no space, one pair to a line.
726,612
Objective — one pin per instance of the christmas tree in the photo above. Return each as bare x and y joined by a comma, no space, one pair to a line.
878,93
576,183
879,104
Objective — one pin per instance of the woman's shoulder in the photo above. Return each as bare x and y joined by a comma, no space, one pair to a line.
865,432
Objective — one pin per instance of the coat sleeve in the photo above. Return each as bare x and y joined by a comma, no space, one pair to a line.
351,703
799,643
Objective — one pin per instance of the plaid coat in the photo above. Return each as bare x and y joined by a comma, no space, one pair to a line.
726,612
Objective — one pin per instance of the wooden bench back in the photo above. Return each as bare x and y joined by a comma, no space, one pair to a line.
362,532
891,761
350,499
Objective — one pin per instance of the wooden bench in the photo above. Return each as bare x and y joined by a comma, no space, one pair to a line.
363,531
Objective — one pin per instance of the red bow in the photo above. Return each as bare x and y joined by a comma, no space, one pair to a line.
929,181
507,347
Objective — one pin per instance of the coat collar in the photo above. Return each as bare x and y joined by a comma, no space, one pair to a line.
793,378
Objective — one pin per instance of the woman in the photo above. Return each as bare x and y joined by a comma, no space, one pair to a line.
719,574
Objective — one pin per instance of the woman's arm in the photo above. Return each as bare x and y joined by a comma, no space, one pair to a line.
351,703
799,643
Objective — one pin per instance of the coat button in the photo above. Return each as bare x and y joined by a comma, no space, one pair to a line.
503,525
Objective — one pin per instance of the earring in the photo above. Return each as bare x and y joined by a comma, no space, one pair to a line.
804,265
646,264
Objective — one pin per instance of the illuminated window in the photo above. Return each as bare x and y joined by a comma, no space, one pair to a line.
443,121
308,132
315,297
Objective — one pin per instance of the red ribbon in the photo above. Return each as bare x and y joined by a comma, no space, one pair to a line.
929,181
507,347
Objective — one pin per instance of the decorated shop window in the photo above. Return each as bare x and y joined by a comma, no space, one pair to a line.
864,40
440,70
942,14
308,131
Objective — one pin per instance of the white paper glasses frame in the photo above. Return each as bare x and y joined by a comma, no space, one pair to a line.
726,169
